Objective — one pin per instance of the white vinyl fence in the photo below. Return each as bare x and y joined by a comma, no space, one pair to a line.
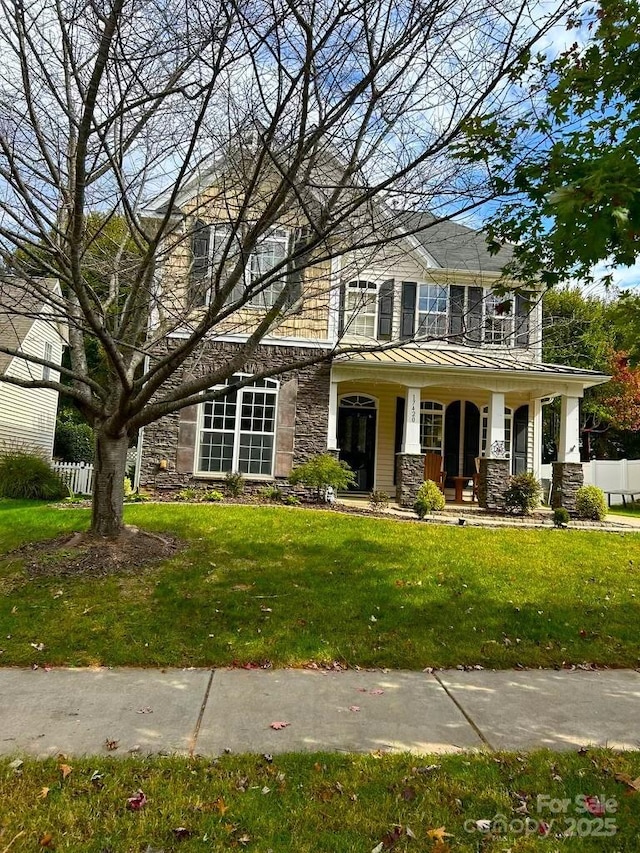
623,475
77,475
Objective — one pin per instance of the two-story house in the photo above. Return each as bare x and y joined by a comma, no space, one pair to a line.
443,366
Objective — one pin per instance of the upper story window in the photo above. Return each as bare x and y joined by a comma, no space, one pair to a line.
463,315
433,302
214,246
237,432
47,355
270,252
361,301
498,322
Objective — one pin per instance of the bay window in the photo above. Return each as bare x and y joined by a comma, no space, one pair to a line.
237,432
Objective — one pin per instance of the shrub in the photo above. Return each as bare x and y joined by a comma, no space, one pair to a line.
321,473
428,499
234,484
270,493
560,516
128,488
591,503
189,494
378,500
25,473
523,494
211,495
74,441
291,500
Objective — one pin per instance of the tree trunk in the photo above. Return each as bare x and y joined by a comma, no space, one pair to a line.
110,465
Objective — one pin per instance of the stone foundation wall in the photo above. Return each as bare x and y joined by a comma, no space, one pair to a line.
302,417
409,477
493,481
567,479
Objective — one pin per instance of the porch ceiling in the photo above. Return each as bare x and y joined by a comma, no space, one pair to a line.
463,367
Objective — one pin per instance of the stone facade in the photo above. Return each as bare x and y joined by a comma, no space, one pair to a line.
493,481
567,479
409,477
302,416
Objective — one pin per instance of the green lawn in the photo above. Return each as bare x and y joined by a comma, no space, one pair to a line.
325,803
289,586
632,509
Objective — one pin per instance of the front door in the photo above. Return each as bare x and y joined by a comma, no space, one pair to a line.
357,439
520,439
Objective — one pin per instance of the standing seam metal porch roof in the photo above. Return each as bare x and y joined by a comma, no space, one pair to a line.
466,359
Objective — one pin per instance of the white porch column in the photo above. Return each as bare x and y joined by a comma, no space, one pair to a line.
332,431
537,439
569,449
411,436
495,426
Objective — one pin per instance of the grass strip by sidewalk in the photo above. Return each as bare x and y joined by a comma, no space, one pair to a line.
323,802
288,586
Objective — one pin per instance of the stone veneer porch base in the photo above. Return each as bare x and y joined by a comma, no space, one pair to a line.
567,478
493,481
409,477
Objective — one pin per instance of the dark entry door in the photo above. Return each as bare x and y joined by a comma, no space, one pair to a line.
520,439
357,443
470,442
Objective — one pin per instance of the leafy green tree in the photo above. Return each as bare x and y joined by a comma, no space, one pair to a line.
573,163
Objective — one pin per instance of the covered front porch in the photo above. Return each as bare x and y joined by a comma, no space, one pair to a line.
483,422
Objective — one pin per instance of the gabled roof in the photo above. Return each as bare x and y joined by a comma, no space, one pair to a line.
453,245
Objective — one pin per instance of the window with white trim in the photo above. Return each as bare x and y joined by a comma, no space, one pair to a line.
433,307
214,244
361,304
270,252
484,429
47,355
237,432
498,320
431,426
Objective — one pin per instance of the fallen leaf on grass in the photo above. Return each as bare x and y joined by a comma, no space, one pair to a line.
43,793
111,744
279,724
634,784
438,834
136,802
16,764
181,832
408,794
594,806
46,840
39,647
65,769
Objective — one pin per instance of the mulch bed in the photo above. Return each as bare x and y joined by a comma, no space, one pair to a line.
83,555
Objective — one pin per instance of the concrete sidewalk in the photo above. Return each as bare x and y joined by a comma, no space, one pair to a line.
75,711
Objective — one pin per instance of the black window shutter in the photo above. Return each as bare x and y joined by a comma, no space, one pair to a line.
385,310
294,270
408,319
474,315
343,300
200,241
456,312
523,311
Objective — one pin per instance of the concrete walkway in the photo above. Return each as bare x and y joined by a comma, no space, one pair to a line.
76,711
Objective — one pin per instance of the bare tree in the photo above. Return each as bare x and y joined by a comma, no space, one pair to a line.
123,123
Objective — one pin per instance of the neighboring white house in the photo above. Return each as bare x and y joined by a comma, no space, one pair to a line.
28,415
